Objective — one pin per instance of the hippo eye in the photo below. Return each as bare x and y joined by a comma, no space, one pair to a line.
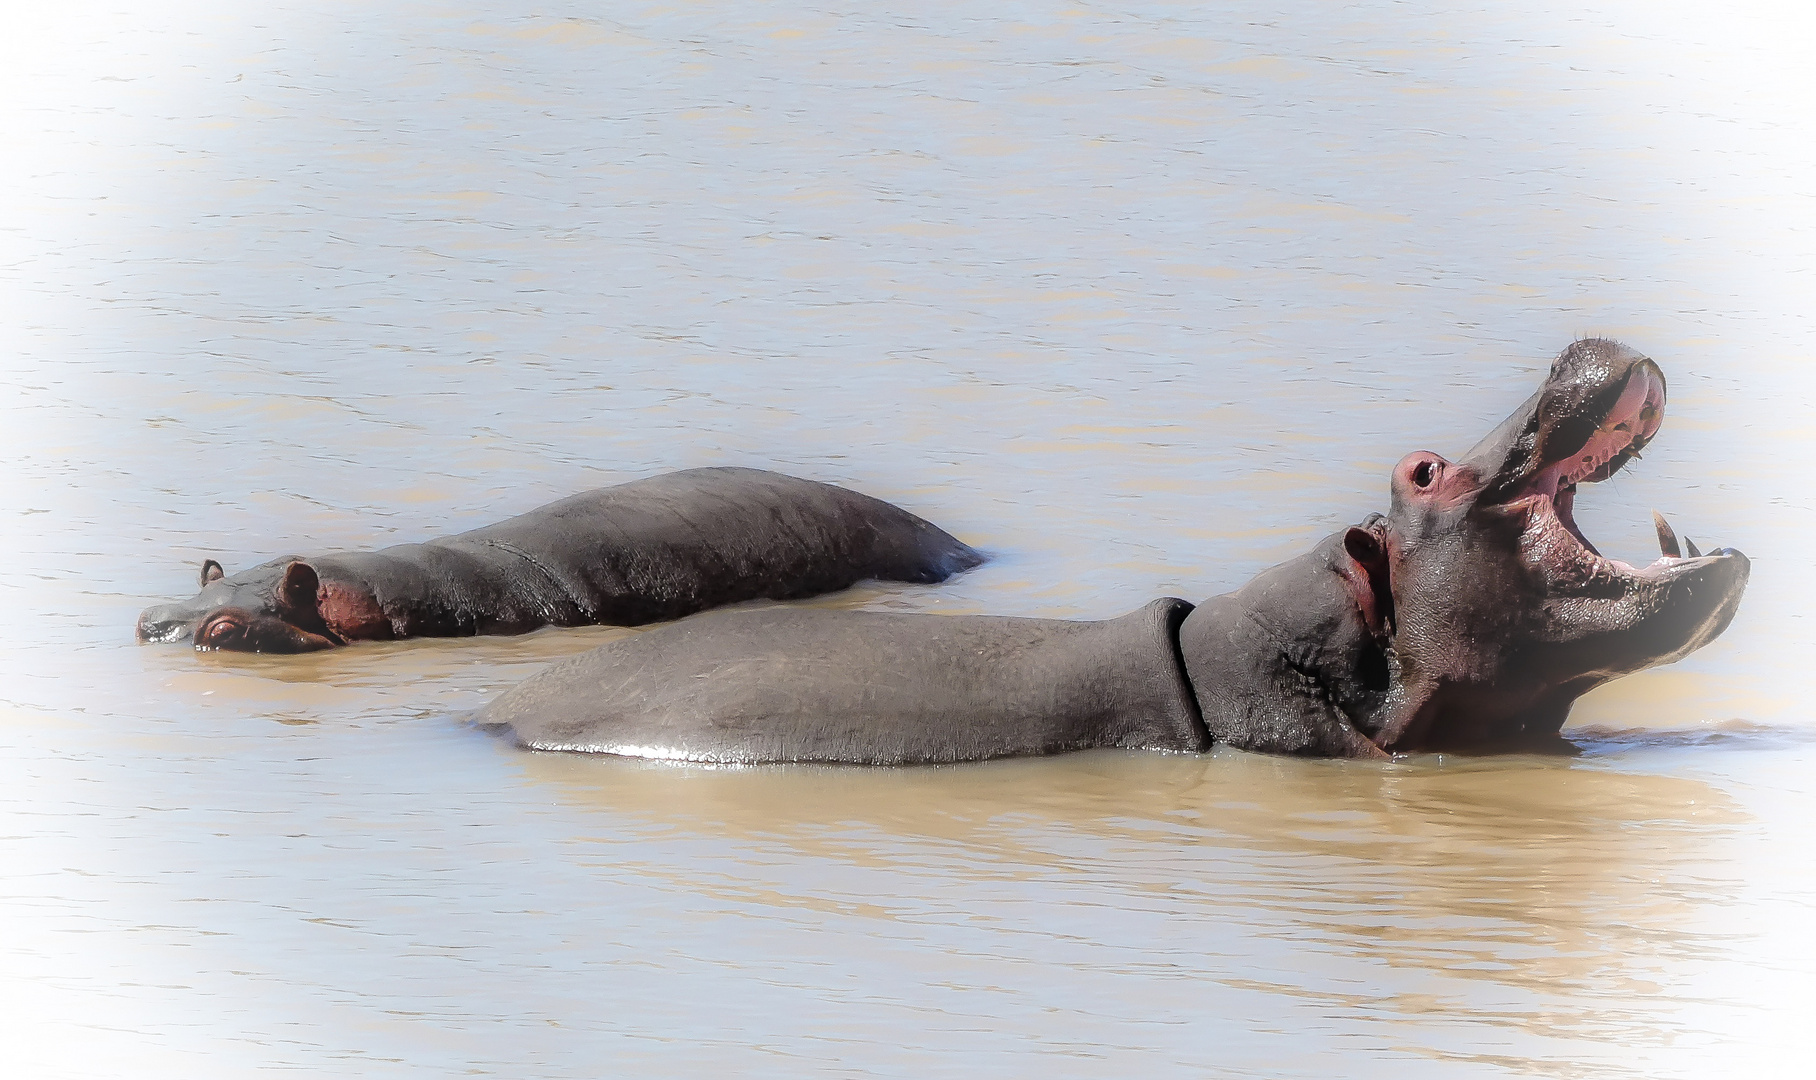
1423,473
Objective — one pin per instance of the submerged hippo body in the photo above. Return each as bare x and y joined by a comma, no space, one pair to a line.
1470,616
641,552
876,688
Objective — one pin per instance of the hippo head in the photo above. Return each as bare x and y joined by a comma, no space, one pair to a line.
1502,612
271,608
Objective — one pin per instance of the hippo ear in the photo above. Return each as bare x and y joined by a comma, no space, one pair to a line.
1365,569
296,593
211,572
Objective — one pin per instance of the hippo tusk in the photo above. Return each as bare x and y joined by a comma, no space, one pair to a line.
1667,537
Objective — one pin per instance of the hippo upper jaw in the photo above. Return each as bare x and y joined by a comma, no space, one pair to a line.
1600,406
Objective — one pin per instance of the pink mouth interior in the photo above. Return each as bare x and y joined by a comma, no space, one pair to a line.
1633,420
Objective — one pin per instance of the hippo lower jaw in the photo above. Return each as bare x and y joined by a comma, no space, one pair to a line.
1629,617
1699,594
1553,542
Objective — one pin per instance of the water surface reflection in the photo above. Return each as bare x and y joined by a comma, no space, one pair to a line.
1537,898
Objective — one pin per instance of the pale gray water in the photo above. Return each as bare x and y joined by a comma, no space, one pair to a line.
1139,298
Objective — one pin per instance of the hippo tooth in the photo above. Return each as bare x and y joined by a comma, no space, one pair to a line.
1667,539
1691,544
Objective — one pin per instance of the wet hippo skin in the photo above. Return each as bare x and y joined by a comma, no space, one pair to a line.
800,684
1470,617
647,551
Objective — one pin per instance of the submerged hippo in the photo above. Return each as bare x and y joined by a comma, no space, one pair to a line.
641,552
1470,616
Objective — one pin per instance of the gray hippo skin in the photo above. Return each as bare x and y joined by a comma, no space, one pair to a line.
798,684
1469,617
647,551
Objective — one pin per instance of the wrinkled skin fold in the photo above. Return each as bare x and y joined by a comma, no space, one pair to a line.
1469,617
647,551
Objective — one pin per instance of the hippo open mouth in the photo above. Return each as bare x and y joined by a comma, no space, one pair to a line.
1506,611
1553,536
1617,438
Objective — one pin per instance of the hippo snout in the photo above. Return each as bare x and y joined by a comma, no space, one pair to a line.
164,624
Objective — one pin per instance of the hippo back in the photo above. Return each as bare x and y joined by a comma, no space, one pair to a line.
671,545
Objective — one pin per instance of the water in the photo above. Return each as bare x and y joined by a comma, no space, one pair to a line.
1139,298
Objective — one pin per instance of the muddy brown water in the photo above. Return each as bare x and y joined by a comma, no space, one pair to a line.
1139,298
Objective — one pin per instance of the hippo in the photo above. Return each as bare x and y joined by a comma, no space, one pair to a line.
1468,617
647,551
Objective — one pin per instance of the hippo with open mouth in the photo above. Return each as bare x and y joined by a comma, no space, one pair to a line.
1469,617
646,551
